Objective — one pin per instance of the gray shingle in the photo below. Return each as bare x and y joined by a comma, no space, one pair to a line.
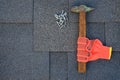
15,67
101,69
25,67
16,38
96,70
96,31
105,10
16,11
72,68
65,39
40,66
40,26
45,27
58,66
55,6
112,35
17,60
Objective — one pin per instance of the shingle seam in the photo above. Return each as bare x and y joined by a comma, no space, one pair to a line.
105,33
49,66
33,12
12,22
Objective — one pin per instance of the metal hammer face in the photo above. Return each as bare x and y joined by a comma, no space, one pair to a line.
78,9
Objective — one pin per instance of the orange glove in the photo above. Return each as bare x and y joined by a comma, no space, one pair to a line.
90,50
99,51
82,53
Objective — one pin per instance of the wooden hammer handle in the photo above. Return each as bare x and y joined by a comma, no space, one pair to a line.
82,24
82,33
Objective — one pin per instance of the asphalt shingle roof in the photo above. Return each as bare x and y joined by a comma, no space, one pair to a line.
96,70
32,47
58,66
17,59
113,35
16,11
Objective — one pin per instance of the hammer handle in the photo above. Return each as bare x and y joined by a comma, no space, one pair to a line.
82,33
82,24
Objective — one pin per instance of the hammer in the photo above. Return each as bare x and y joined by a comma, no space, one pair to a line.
82,9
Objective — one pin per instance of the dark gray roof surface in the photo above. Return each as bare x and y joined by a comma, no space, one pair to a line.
16,11
32,47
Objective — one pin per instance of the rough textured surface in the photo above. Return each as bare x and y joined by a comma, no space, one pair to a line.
16,11
17,60
72,68
55,7
24,49
40,66
47,34
16,38
97,70
105,10
58,66
112,35
96,31
40,26
66,38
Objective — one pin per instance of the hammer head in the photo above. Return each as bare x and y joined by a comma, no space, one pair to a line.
78,9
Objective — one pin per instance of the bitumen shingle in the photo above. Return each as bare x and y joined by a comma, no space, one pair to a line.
17,60
16,11
58,66
40,66
72,68
33,47
96,31
65,39
55,7
96,70
47,34
105,10
112,31
16,38
104,69
40,25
